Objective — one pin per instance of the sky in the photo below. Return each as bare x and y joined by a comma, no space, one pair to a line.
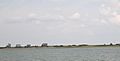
59,21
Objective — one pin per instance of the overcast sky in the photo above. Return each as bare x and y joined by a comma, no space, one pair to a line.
59,21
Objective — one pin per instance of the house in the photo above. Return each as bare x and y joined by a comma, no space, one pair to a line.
18,46
44,45
8,46
28,46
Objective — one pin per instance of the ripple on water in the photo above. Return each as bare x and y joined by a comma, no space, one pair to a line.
62,54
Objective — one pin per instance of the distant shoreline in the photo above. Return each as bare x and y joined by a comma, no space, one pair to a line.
64,46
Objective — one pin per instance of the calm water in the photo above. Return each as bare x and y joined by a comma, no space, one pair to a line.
61,54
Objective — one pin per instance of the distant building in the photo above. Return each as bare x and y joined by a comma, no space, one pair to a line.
35,46
44,45
9,45
18,46
118,44
28,46
111,44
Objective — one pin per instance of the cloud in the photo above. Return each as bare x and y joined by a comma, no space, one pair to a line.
110,11
32,15
104,21
34,18
116,19
75,16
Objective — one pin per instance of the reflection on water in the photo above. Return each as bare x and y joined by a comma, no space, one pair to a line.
61,54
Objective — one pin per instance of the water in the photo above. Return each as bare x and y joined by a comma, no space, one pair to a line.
61,54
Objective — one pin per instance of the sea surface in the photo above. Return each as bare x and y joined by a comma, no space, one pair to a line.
61,54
